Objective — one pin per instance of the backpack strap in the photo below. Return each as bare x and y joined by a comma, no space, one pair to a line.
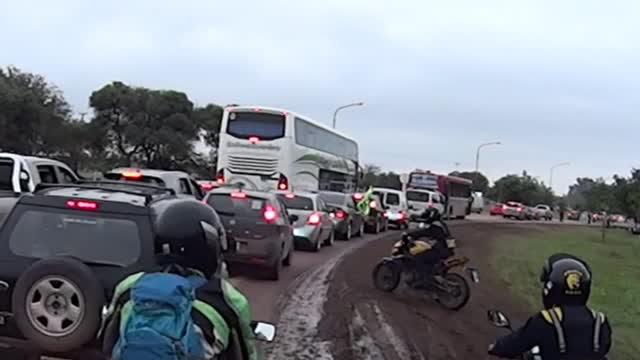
599,320
555,317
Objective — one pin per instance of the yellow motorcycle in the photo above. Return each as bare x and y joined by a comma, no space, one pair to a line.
450,289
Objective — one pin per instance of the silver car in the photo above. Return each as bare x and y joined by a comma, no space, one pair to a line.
313,226
512,209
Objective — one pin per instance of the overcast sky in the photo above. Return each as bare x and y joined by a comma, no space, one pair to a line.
554,81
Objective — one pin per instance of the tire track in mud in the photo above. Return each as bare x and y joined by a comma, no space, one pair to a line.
302,310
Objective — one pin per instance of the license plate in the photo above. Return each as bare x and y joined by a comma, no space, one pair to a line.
451,243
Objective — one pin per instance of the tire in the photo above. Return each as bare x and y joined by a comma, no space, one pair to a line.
376,229
331,239
347,234
386,275
287,260
361,230
273,272
75,298
455,301
317,246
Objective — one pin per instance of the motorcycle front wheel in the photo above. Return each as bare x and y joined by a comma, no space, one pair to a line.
454,293
386,275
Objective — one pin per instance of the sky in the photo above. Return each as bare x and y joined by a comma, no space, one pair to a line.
553,81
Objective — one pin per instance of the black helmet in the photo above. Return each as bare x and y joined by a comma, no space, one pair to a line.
185,229
566,280
430,215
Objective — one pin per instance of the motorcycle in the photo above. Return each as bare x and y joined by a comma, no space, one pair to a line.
499,319
450,289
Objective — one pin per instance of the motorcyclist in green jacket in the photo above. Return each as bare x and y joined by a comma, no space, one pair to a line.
187,244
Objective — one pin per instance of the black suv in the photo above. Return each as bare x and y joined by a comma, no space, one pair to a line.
62,252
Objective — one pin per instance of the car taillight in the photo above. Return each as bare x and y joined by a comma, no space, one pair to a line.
283,183
206,186
400,215
220,176
290,195
314,219
269,213
519,209
254,139
132,175
358,196
340,214
82,205
238,195
385,214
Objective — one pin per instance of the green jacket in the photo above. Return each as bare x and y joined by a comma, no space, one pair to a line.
220,310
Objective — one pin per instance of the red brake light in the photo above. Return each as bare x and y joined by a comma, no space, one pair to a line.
254,139
290,196
283,183
82,205
385,214
206,186
220,177
269,213
238,195
131,174
340,214
358,196
314,219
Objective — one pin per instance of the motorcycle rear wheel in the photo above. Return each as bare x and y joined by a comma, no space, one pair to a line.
386,276
458,293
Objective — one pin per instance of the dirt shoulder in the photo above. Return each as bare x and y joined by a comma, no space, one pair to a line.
360,322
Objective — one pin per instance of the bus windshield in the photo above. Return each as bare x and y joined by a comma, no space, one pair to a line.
264,126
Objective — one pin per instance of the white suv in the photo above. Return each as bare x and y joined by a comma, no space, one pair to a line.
419,200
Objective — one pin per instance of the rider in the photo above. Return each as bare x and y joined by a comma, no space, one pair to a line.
438,247
187,243
567,328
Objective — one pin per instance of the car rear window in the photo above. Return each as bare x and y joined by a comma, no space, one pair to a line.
392,199
89,237
6,173
333,199
297,202
226,205
417,196
144,179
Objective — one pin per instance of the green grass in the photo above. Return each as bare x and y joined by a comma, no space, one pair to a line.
517,260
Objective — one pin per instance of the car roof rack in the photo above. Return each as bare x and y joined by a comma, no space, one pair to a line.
115,186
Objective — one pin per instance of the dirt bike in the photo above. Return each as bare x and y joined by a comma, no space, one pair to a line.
499,319
451,290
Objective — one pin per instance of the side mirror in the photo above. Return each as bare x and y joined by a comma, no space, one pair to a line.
498,319
264,331
293,218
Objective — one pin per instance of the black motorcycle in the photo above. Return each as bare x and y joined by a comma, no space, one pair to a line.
450,289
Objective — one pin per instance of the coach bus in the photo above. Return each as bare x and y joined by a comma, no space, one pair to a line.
456,191
266,148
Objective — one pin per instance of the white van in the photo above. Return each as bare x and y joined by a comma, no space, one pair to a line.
396,206
477,206
419,200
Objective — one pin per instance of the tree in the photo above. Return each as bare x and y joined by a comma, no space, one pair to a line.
524,189
153,128
34,116
373,176
480,182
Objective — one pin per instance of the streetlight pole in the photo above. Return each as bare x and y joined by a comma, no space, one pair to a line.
335,113
480,147
551,172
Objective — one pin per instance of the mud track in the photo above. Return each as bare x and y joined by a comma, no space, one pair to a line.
334,312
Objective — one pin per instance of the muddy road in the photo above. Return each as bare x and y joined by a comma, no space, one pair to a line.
334,312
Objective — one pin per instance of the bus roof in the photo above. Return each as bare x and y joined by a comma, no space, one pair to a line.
450,178
284,111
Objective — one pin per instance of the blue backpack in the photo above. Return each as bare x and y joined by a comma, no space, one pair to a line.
160,326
